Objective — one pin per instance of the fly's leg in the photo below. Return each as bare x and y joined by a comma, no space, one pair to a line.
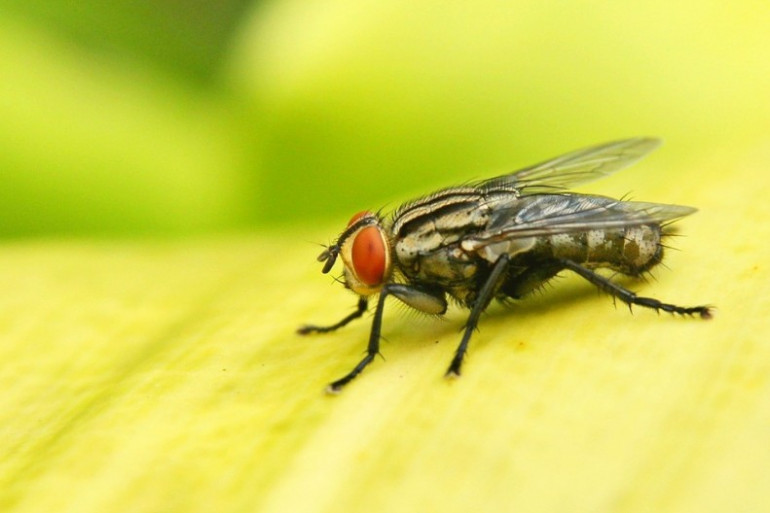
360,309
631,298
371,350
481,303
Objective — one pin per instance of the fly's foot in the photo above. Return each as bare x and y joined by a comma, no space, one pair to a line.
307,329
453,372
705,312
452,375
333,389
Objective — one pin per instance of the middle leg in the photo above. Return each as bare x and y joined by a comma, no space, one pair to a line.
481,303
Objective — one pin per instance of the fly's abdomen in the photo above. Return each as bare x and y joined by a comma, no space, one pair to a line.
630,250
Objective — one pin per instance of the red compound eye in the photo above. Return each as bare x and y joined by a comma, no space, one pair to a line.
358,216
369,256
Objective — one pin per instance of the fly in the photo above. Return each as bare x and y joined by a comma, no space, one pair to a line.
503,238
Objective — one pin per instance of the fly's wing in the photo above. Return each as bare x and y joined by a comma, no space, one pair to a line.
574,168
544,215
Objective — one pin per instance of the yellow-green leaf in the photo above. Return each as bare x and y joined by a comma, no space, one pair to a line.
167,376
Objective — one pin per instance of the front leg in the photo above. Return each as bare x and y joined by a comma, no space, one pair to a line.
371,350
428,301
360,309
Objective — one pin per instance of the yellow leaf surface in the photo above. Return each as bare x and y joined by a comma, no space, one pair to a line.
166,376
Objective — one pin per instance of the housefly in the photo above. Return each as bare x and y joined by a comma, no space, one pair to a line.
503,238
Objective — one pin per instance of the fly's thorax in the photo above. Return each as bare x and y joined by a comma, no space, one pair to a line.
365,252
437,222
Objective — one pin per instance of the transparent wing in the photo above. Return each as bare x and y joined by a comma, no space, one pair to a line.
567,213
574,168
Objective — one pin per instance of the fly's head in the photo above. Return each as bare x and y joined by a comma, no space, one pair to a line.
365,252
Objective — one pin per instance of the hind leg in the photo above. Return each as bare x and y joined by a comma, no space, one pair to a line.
631,298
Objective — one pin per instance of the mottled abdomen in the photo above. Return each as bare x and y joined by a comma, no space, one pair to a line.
631,250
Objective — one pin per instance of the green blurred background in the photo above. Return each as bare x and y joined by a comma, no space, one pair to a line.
182,117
